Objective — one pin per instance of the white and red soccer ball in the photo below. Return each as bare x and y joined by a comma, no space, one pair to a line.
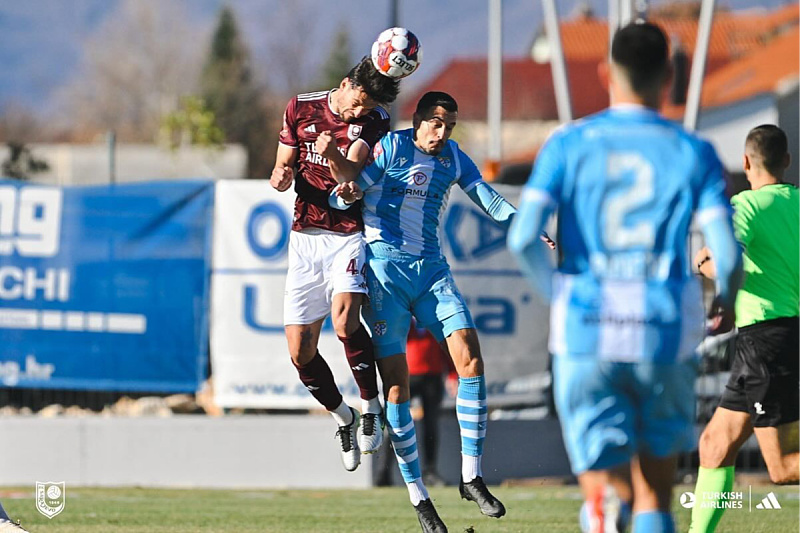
396,53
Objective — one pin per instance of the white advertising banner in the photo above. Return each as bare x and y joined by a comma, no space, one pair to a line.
250,361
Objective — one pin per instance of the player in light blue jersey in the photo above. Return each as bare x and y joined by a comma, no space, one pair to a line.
626,311
405,192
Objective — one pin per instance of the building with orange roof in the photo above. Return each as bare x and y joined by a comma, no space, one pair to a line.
758,88
733,33
750,54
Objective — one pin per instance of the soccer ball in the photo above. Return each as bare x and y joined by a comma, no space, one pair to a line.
396,53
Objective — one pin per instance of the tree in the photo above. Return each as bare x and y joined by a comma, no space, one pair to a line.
135,69
192,123
238,102
339,61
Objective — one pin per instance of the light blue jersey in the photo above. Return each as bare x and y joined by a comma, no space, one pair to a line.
625,183
405,195
406,192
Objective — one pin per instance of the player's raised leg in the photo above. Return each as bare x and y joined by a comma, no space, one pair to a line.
472,412
349,293
317,377
394,372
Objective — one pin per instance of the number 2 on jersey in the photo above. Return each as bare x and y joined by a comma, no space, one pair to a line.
640,192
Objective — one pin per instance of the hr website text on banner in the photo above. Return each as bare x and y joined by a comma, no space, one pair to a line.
105,288
250,360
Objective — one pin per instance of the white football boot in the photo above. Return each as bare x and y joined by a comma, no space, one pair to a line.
370,437
346,435
7,526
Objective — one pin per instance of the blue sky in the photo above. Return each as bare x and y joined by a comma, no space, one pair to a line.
41,42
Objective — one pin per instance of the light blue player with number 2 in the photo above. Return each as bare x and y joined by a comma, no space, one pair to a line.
626,312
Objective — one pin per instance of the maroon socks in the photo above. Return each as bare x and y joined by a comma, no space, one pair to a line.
318,379
361,359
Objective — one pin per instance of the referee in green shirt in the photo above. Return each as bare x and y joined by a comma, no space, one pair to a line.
762,393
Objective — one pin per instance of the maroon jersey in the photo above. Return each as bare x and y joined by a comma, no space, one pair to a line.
306,116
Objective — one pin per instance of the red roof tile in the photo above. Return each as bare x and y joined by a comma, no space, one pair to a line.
528,88
758,72
763,70
528,92
732,33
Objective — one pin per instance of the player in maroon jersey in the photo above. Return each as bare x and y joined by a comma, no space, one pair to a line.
327,134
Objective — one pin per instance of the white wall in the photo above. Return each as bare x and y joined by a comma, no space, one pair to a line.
88,164
727,126
181,451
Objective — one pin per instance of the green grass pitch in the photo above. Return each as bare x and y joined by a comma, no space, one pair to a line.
385,510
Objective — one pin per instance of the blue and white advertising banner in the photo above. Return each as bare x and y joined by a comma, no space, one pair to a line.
512,322
249,355
105,288
250,360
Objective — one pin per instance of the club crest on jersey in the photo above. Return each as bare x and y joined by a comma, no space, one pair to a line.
419,178
377,151
353,132
379,328
445,161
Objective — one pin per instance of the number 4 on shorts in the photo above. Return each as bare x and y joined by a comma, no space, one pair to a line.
352,268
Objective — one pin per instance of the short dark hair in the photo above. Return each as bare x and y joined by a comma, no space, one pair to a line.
768,143
641,49
433,99
378,87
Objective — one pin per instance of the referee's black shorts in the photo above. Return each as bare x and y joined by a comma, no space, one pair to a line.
764,378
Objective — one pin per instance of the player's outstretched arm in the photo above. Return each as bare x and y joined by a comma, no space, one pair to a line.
525,240
283,173
492,203
500,209
342,168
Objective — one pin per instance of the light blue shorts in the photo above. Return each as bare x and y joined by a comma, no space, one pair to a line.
611,411
399,288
